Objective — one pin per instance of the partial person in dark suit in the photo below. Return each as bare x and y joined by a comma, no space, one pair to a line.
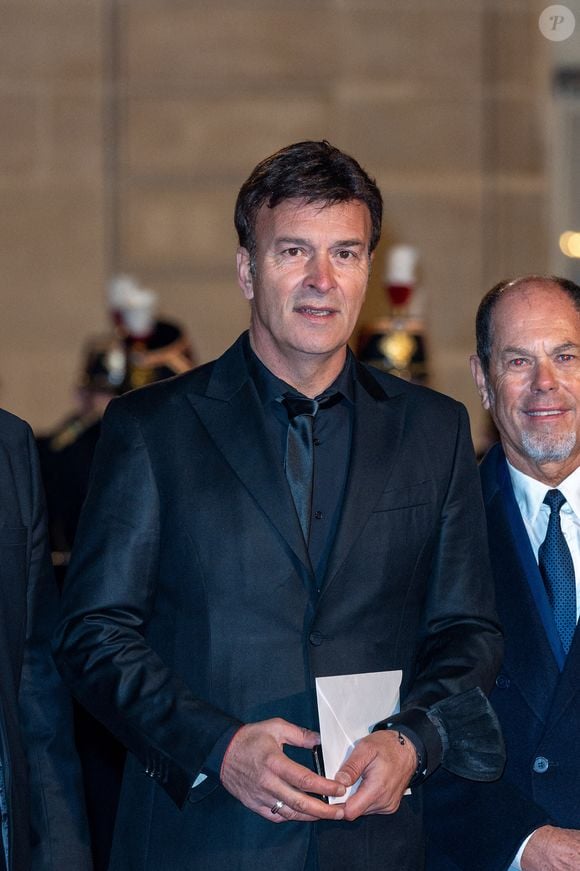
112,365
527,371
212,581
43,824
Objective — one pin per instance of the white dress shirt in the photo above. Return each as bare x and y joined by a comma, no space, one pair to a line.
530,495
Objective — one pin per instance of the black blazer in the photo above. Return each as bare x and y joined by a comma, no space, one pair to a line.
190,603
537,699
44,793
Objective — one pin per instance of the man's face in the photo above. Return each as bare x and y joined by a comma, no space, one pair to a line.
309,280
533,386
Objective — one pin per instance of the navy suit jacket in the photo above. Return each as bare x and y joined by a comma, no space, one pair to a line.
44,794
191,605
537,699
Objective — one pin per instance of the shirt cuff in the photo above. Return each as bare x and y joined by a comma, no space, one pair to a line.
213,763
516,864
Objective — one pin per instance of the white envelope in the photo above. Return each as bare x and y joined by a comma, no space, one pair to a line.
349,705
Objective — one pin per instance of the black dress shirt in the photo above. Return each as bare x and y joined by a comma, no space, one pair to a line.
332,436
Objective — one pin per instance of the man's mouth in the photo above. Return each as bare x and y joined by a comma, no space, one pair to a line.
546,412
317,312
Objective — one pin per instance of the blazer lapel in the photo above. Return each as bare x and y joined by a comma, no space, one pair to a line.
568,683
231,412
378,424
521,598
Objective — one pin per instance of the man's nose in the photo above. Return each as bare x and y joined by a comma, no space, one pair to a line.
320,273
544,376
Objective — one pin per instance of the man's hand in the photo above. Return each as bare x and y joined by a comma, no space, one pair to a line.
258,773
552,849
386,766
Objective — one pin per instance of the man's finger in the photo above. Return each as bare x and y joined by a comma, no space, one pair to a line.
386,766
304,808
353,767
305,780
372,799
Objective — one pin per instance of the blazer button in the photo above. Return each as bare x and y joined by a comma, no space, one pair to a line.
541,765
316,638
502,681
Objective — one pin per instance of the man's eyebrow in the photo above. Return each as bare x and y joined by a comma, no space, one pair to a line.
297,240
525,352
348,243
514,349
566,346
291,240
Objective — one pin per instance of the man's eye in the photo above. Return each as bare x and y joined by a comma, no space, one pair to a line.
346,254
566,358
518,362
292,252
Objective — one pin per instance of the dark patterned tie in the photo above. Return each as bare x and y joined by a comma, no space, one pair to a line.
557,569
299,460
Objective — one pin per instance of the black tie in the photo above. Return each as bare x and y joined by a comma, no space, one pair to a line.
557,568
299,460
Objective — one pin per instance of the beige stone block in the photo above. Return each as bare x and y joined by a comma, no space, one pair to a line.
38,385
223,44
75,139
515,49
19,142
427,135
44,41
214,138
51,249
516,234
515,135
178,227
419,44
391,6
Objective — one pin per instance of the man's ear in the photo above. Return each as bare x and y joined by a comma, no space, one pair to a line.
480,380
245,277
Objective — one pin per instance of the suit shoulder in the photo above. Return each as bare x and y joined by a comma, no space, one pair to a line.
13,429
154,397
416,394
17,448
492,469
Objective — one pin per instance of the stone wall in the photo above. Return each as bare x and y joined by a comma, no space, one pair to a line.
52,213
128,126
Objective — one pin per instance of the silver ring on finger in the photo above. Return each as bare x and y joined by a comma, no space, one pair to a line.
275,809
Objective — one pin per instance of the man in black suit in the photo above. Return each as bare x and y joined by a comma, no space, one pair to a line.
527,371
42,813
213,579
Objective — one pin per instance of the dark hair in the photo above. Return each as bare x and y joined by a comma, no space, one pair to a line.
483,319
310,171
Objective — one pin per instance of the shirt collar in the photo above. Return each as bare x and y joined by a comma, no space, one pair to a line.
570,487
270,388
530,492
